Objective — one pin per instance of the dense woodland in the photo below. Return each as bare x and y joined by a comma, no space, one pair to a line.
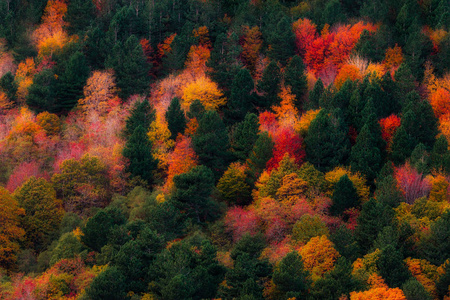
235,149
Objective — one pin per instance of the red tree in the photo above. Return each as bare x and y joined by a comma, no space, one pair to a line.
287,141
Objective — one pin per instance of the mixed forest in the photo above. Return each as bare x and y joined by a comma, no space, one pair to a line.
234,149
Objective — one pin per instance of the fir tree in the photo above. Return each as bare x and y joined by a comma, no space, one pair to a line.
282,42
244,136
41,93
392,267
241,97
294,76
290,278
79,15
269,86
260,154
402,146
344,196
142,114
176,121
316,93
9,86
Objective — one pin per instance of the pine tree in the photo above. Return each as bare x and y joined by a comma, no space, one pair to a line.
260,154
69,85
196,110
211,144
9,86
316,93
294,76
131,67
79,15
402,146
436,246
176,121
440,156
327,144
142,114
269,86
282,42
392,267
290,278
41,93
138,152
241,97
244,136
344,196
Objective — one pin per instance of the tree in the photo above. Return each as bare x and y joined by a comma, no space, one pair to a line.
43,212
109,284
436,245
10,233
319,256
142,114
41,93
282,42
316,94
344,196
9,86
192,193
244,136
269,86
131,67
138,152
440,156
79,15
414,290
176,121
232,185
260,154
327,144
444,282
205,90
70,83
287,142
402,146
289,277
241,97
308,227
294,76
392,267
211,143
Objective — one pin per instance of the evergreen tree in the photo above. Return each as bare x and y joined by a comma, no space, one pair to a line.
131,67
316,93
294,76
387,191
392,267
420,159
241,97
341,98
440,156
138,152
142,114
289,277
9,86
193,191
244,136
402,146
176,121
260,154
210,142
282,42
344,196
414,290
108,285
444,282
41,93
405,82
196,110
345,243
327,144
69,85
79,15
436,246
269,86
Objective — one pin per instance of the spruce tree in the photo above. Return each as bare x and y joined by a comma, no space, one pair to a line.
420,159
260,154
69,85
138,152
402,146
327,144
290,278
440,156
282,42
9,86
176,121
41,93
344,196
79,15
244,136
269,86
241,97
142,114
294,76
316,93
392,268
196,110
131,67
211,144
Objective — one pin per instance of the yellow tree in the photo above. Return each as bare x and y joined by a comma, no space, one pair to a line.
10,231
205,90
319,256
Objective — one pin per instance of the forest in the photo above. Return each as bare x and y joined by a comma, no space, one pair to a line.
225,149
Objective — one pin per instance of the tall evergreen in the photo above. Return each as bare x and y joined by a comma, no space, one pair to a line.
9,86
294,76
69,85
282,42
440,155
41,93
344,196
327,144
142,114
176,120
402,146
269,86
211,144
260,154
241,97
244,136
79,15
131,67
315,94
392,268
138,152
290,278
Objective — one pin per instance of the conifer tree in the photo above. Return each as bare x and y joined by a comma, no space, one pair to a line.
176,121
269,86
211,143
440,156
142,114
402,146
79,15
344,196
392,267
9,86
244,136
138,152
241,97
41,93
282,42
316,93
260,154
294,76
290,278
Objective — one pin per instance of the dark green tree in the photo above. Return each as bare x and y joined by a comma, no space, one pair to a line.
344,196
108,285
269,86
211,144
294,76
79,15
402,146
327,144
244,136
260,154
176,121
196,110
316,93
131,67
392,268
41,93
405,82
414,290
9,86
241,97
444,282
440,156
437,245
345,243
138,152
289,277
192,193
69,85
142,114
420,159
282,42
